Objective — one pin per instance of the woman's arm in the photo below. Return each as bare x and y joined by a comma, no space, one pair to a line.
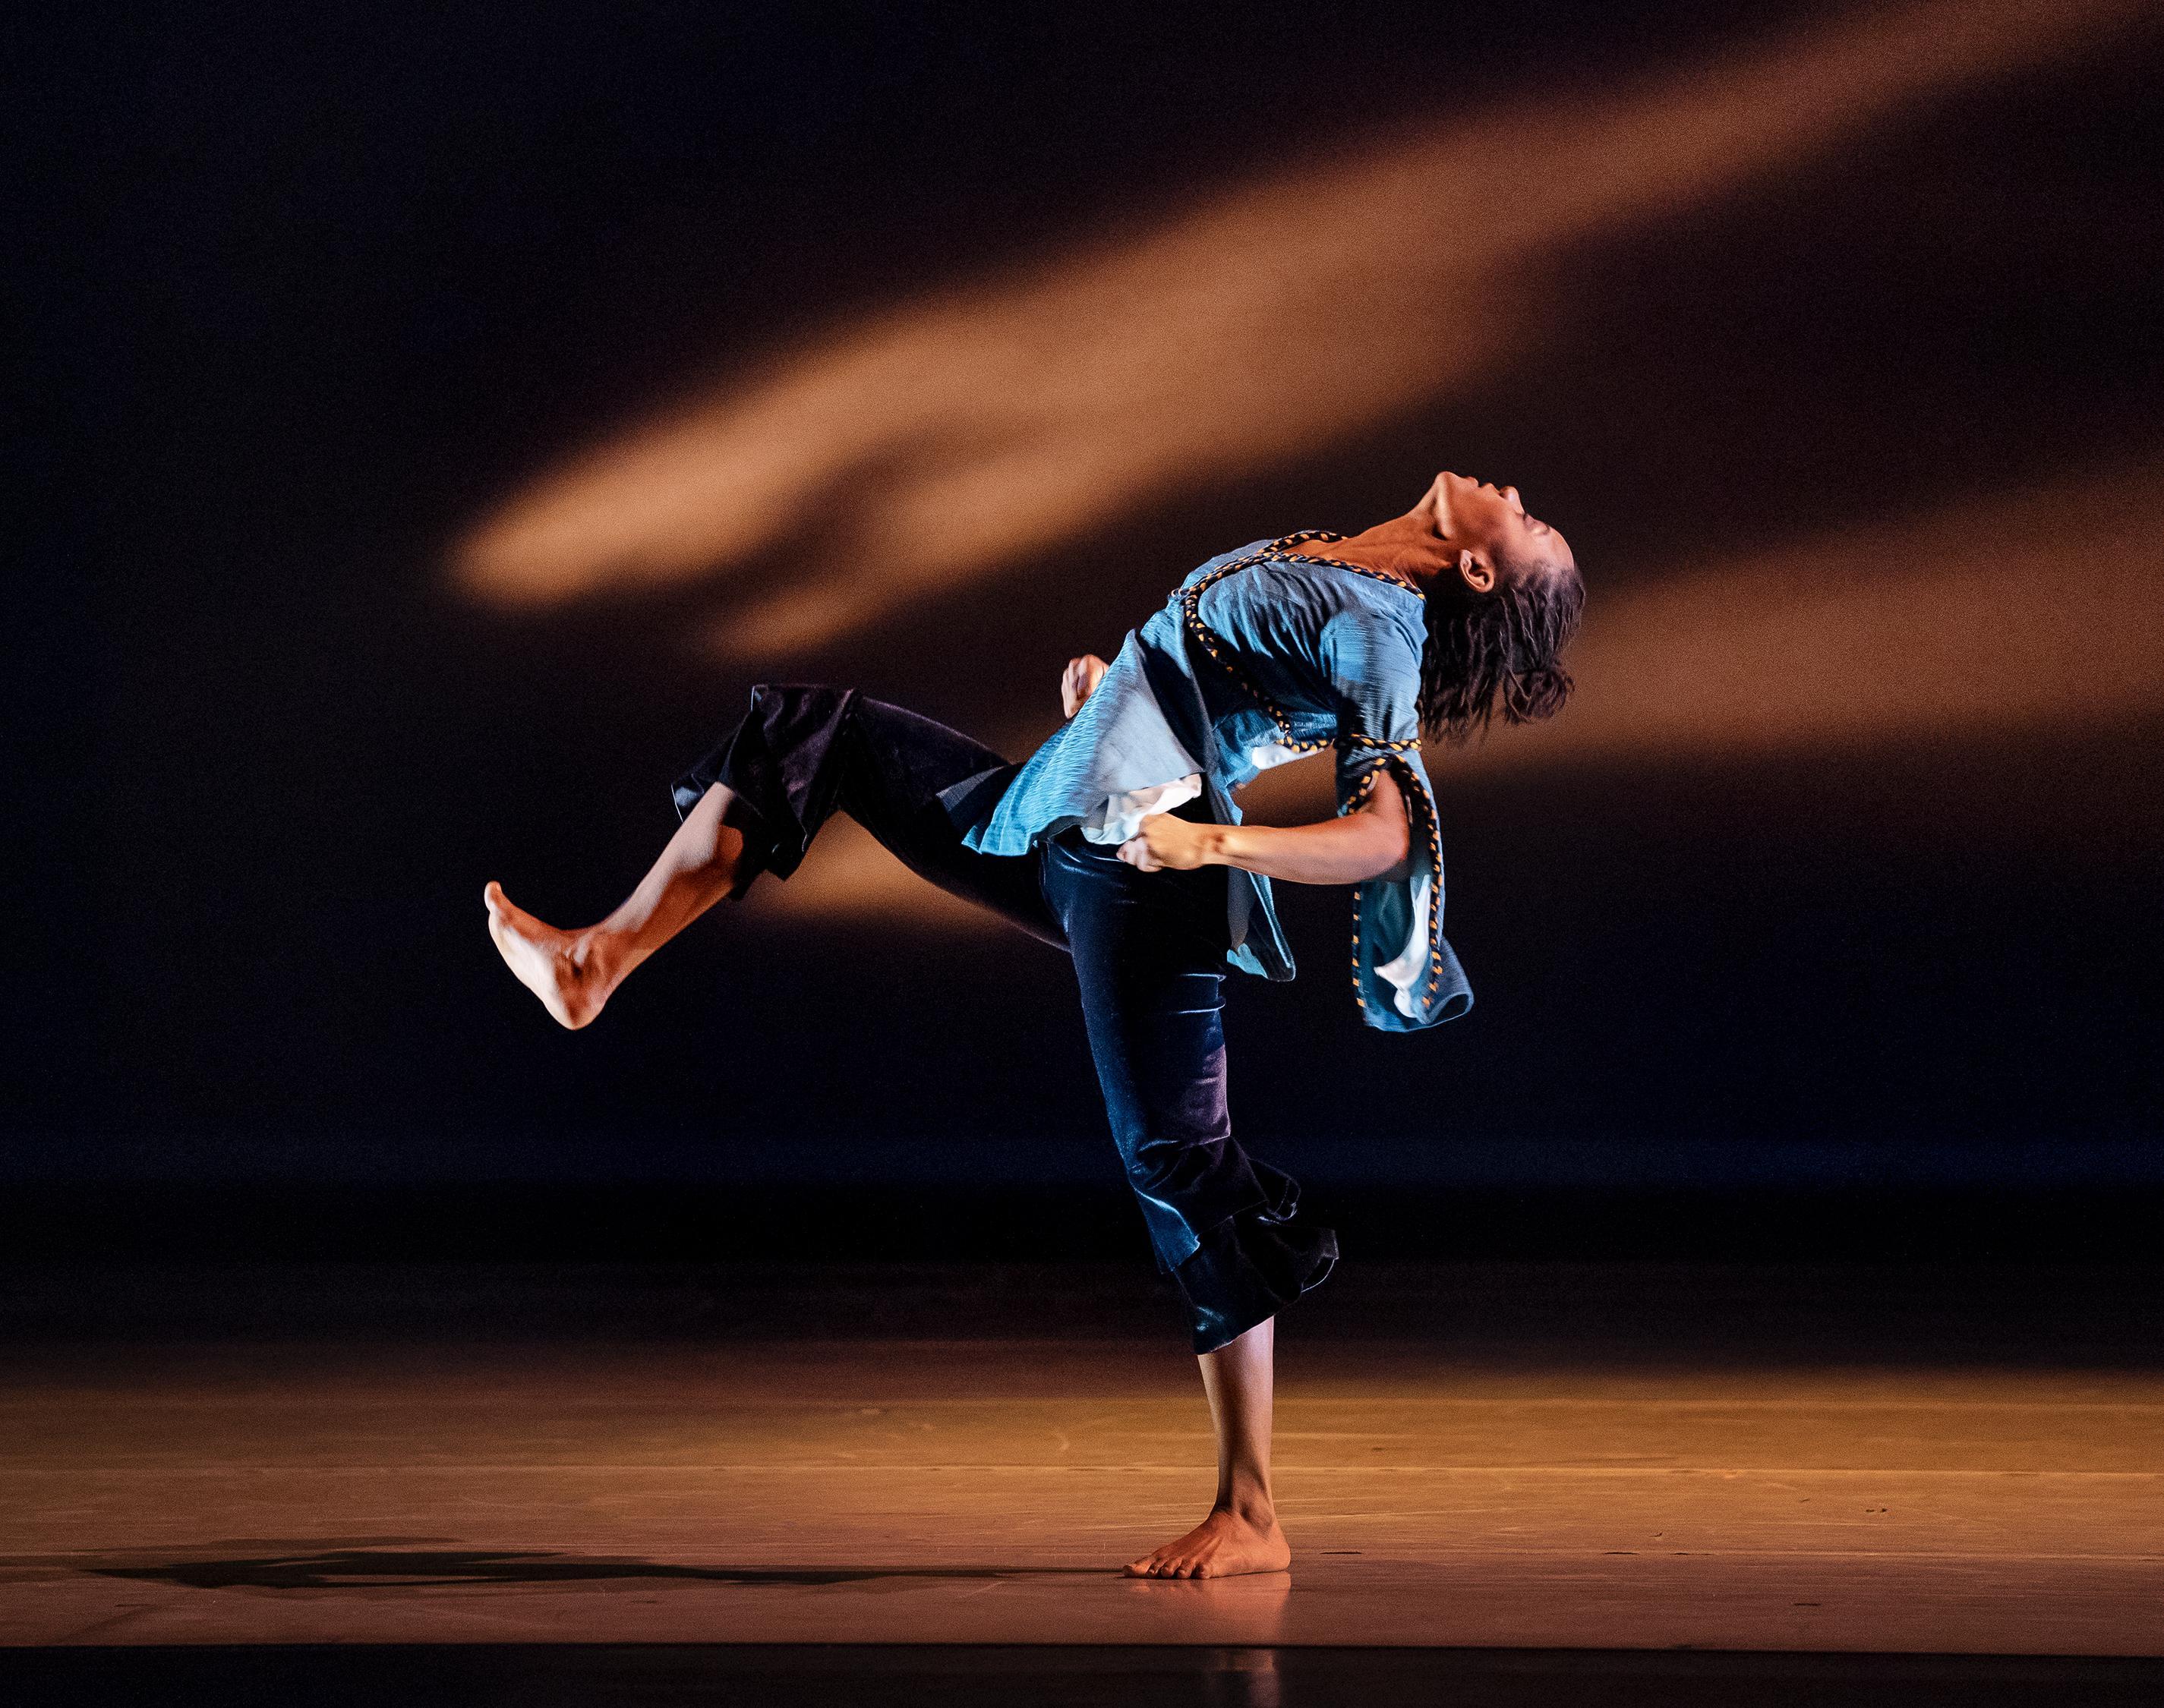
1373,841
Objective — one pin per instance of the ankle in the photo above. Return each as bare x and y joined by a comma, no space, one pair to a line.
1250,1506
602,957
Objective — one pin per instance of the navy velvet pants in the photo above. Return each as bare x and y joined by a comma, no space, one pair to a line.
1148,950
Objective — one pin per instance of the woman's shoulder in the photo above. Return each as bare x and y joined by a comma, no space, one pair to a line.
1339,584
1327,592
1288,603
1211,566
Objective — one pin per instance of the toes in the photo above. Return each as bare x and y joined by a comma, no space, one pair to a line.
493,896
1169,1564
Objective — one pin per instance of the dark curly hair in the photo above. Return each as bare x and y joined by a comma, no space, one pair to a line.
1497,649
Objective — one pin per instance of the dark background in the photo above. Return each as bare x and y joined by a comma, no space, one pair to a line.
312,292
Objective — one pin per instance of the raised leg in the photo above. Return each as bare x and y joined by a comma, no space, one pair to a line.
754,804
1241,1535
574,972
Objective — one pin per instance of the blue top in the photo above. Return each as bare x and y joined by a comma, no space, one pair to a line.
1259,651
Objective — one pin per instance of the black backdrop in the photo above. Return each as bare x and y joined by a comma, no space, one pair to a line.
313,293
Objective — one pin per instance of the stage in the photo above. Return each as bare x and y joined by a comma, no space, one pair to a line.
1500,1458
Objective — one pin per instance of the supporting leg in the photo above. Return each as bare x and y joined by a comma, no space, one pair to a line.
574,972
1241,1535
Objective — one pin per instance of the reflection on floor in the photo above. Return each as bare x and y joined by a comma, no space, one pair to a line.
1164,1675
1535,1491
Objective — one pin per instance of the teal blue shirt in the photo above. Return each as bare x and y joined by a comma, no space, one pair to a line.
1260,651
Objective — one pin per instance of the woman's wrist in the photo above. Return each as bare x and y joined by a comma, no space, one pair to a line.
1217,845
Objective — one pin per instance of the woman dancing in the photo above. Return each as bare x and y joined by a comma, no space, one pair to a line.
1120,842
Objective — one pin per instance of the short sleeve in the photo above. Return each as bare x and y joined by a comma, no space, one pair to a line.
1405,976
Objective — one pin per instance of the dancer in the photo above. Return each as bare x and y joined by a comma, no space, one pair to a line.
1120,842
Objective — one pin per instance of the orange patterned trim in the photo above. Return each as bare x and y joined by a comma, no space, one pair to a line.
1419,802
1279,551
1422,805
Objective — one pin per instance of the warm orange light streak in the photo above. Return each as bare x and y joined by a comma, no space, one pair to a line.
2043,608
2040,609
955,436
848,876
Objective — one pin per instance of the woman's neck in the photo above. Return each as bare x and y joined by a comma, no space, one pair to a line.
1406,546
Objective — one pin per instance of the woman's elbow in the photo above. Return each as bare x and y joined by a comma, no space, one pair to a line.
1392,846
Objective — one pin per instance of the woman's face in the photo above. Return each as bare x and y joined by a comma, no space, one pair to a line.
1491,523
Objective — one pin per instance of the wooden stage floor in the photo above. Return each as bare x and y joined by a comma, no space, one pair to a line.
897,1486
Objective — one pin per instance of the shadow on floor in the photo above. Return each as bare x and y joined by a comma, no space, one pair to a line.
377,1567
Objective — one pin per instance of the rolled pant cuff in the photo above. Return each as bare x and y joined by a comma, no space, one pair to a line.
780,764
1249,1266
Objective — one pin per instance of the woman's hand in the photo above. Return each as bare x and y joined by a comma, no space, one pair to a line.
1374,840
1163,843
1079,680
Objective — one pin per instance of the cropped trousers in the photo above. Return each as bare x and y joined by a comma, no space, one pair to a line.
1148,951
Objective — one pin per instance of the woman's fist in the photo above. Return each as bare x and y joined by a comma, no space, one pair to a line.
1163,843
1079,680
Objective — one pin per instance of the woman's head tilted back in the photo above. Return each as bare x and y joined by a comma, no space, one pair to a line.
1503,601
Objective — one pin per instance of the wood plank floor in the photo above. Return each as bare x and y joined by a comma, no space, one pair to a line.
936,1489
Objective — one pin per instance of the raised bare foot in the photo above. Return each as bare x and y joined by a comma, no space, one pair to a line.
1223,1545
560,968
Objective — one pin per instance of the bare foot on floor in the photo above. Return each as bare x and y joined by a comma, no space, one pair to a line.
1223,1545
558,966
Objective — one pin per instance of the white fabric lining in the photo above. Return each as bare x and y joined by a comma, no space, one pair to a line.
1404,971
1120,818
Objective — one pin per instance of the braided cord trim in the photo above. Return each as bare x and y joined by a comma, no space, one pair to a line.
1420,804
1279,551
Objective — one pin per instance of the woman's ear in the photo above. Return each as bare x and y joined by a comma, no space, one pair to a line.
1479,576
